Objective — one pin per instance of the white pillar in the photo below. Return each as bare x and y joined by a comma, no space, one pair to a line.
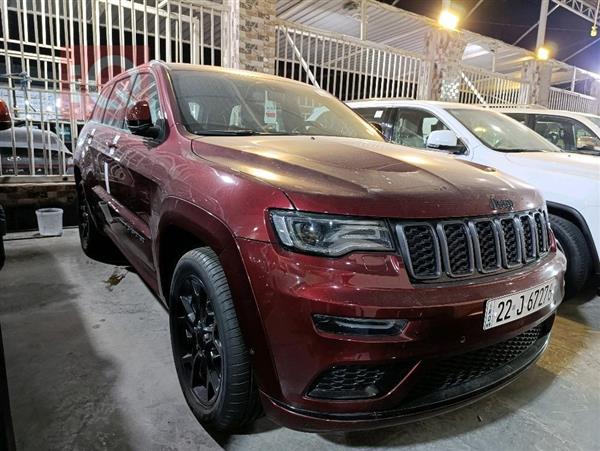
230,34
364,20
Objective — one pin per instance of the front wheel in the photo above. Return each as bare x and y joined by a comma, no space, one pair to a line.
579,259
211,359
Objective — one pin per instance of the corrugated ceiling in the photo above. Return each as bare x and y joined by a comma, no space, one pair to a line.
405,30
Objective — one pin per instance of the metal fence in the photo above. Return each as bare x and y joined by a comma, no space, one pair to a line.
347,67
56,54
478,86
561,99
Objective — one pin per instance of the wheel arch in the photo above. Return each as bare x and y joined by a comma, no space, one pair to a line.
184,226
574,216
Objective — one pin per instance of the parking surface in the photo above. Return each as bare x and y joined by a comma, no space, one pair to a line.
89,367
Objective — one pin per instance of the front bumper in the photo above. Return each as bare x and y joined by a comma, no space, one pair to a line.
444,320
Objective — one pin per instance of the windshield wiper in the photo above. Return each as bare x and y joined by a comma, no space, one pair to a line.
516,150
240,132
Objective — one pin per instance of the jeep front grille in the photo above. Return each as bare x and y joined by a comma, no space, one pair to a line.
435,250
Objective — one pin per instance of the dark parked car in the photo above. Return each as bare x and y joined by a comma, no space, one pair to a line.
18,142
340,281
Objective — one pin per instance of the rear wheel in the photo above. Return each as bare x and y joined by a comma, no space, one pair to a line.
211,359
579,259
94,243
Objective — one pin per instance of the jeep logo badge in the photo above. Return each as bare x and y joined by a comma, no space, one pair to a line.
501,204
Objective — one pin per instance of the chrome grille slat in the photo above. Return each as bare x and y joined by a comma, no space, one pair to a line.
472,247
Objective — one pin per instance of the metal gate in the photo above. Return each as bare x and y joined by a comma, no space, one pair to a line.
347,67
56,54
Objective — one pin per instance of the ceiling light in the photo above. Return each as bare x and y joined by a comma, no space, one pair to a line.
543,53
448,19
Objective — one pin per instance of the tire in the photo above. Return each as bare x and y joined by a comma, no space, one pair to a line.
94,243
211,359
579,259
2,253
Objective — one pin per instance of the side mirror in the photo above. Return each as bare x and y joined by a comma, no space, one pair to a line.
139,120
377,126
5,122
588,143
444,140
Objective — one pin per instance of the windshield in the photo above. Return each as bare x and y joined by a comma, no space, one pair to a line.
595,120
233,103
501,133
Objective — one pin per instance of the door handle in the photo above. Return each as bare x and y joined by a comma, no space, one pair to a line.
113,144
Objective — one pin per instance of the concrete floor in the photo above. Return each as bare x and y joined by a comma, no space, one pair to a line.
89,367
89,362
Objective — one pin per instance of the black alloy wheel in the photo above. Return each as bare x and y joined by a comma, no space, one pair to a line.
211,359
197,342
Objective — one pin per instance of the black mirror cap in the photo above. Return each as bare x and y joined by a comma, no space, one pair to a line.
145,130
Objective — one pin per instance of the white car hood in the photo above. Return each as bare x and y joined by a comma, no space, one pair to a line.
559,163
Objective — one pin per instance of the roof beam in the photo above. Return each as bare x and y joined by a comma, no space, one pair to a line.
541,32
530,29
578,7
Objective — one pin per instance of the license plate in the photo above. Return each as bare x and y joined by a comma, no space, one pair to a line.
510,308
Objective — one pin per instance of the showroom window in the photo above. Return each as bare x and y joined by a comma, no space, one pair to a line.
117,103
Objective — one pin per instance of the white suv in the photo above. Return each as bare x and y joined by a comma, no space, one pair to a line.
570,182
573,132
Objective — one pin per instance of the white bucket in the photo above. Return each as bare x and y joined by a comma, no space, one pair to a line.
50,221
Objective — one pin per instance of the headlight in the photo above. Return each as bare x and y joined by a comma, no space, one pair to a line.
330,235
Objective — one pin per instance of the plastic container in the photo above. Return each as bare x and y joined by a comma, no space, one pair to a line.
50,221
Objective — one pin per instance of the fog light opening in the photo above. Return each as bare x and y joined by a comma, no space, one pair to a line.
358,326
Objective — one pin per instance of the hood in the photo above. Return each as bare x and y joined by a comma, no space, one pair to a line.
369,178
563,163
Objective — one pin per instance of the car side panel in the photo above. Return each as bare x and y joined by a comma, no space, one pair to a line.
215,234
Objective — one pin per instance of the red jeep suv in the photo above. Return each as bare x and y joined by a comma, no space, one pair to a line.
310,268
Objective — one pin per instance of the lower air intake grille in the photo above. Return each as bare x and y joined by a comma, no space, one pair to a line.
463,368
357,381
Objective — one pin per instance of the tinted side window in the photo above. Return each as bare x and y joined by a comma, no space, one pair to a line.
144,88
521,117
117,104
372,114
101,104
557,130
412,127
381,116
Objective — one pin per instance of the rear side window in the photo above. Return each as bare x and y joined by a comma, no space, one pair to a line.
521,117
101,104
117,104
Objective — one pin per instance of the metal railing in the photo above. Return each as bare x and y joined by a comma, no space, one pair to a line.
561,99
56,54
347,67
478,86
